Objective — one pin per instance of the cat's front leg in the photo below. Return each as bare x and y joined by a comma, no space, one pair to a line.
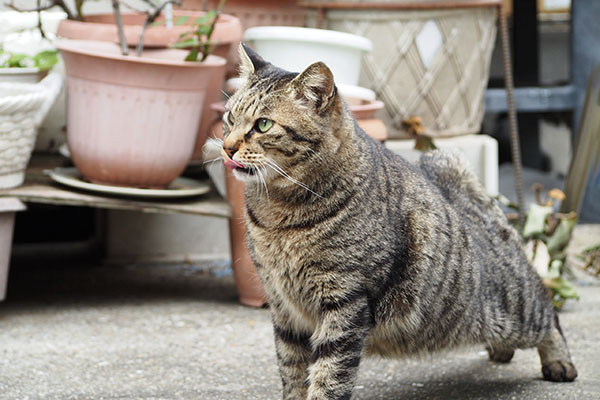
337,348
293,356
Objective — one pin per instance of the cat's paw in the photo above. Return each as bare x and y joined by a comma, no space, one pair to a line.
500,355
559,371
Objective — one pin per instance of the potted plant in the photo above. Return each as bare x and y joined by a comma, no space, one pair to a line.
133,119
148,29
26,55
26,68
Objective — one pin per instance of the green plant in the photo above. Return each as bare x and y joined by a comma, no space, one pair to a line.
591,257
546,234
198,39
44,60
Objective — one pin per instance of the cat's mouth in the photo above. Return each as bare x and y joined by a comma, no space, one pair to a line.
236,166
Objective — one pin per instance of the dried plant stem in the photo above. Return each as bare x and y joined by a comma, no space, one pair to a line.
150,19
119,22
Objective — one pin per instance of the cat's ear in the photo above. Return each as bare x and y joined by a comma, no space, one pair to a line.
316,85
250,61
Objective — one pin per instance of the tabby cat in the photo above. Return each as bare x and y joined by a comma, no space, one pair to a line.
361,252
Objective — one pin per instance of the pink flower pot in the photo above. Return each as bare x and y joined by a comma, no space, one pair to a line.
228,32
133,121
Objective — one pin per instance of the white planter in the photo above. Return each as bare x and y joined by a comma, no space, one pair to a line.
431,63
21,75
8,207
23,106
294,49
480,150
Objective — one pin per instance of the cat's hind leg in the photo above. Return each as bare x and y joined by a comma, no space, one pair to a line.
500,354
556,360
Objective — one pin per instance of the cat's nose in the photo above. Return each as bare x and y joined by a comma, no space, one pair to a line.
230,151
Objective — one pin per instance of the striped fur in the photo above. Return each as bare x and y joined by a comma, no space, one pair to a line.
361,252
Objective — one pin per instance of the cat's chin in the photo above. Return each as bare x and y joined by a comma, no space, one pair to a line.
243,176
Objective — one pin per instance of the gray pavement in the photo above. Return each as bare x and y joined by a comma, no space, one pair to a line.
177,332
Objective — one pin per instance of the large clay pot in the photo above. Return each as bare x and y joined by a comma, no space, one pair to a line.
249,287
132,121
227,34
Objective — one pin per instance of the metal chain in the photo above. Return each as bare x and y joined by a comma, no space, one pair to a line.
512,115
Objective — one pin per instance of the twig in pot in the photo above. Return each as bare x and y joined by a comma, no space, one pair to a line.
149,20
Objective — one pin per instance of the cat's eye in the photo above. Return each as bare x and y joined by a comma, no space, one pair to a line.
230,118
263,124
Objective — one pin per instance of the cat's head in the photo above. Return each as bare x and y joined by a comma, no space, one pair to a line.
279,123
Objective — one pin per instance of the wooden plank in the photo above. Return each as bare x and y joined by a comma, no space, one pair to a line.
209,204
583,182
38,188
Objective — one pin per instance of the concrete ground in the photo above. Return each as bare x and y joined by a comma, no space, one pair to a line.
177,332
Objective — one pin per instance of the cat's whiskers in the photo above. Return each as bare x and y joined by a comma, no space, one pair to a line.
261,171
280,171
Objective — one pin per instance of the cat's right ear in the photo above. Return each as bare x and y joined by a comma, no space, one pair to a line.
316,85
250,61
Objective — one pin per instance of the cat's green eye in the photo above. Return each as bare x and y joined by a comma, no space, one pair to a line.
230,118
263,124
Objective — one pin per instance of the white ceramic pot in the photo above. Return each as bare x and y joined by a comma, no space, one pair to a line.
294,49
21,75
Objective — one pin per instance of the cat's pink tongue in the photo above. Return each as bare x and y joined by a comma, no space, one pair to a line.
232,164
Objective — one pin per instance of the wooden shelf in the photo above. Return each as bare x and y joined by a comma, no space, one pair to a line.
39,188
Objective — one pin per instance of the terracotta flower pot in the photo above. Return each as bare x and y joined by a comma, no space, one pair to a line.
132,121
228,32
249,287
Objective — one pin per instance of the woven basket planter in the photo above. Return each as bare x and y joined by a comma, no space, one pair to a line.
430,63
22,109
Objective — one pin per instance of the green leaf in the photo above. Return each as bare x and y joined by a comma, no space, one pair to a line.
181,20
424,143
45,60
203,20
158,23
17,60
554,270
536,220
203,29
192,56
562,234
505,201
184,44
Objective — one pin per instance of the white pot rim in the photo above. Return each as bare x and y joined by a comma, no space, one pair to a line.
19,71
356,92
298,34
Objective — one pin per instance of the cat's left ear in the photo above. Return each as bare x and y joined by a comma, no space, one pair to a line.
250,61
316,85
